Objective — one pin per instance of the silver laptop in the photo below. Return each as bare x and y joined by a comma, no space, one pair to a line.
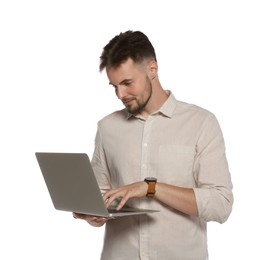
72,185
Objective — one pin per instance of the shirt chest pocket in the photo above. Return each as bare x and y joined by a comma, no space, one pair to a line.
175,165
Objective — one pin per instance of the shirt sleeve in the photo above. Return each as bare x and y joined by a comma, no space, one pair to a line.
213,189
99,164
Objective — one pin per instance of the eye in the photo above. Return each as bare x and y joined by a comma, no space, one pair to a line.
127,83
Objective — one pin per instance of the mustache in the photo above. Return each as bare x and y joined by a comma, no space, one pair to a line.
126,99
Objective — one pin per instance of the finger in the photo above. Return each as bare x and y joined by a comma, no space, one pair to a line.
109,194
123,201
78,215
114,197
96,219
110,200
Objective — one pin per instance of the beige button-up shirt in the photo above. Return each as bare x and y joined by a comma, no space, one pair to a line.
180,144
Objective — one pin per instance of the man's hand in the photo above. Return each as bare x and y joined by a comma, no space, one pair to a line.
92,220
134,190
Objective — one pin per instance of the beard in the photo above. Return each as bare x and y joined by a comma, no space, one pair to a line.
140,103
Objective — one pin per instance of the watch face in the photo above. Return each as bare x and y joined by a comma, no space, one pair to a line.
150,179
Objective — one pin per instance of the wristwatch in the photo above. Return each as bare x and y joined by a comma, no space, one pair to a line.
151,181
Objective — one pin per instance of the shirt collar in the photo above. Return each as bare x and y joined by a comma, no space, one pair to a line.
169,105
167,109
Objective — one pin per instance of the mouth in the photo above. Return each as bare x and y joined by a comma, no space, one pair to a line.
127,102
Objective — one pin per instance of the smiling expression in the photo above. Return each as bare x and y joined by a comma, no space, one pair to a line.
132,85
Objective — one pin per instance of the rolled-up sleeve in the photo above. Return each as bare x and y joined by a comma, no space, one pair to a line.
213,189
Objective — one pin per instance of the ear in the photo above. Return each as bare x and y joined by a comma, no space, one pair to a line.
152,69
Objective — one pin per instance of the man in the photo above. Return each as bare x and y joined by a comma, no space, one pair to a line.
157,153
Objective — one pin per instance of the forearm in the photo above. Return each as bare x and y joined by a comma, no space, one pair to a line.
182,199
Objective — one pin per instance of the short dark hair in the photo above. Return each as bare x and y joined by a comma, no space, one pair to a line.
130,44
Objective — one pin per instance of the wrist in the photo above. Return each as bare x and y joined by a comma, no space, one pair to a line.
151,190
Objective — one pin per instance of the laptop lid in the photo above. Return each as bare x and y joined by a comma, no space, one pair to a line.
72,185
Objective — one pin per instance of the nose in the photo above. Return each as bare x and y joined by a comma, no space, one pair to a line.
120,92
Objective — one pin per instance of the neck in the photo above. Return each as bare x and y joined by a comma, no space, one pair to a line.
158,98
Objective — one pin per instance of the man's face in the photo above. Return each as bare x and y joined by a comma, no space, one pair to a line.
132,85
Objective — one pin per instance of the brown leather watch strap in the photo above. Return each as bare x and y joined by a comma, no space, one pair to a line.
151,189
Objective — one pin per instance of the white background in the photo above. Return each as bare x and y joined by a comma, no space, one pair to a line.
216,54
